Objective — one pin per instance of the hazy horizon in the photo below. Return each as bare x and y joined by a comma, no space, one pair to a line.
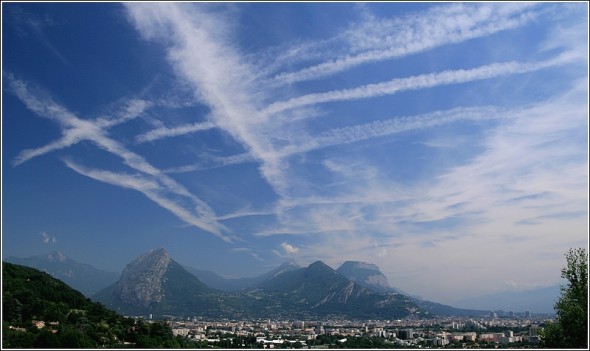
447,143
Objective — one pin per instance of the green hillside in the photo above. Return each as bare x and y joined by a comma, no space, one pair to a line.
39,311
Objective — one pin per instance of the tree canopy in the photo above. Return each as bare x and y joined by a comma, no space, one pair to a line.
571,329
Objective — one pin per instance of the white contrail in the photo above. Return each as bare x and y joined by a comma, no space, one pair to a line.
154,192
416,82
440,26
162,133
393,126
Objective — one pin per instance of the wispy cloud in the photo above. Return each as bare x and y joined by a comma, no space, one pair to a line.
27,23
289,249
351,134
162,133
155,192
212,162
420,82
48,239
442,25
132,109
246,213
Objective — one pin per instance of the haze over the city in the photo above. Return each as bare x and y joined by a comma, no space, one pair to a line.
446,143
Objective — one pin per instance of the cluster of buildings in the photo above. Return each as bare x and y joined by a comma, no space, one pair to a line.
503,338
436,332
39,325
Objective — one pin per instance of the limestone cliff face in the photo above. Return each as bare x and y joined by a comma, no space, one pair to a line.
156,284
141,282
351,291
365,274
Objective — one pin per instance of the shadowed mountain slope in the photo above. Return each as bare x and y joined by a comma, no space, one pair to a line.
80,276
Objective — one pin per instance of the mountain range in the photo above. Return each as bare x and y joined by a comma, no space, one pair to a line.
364,274
155,283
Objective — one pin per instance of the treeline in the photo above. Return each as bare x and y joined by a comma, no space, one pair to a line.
39,311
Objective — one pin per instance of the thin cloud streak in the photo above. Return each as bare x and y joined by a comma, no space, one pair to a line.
393,126
133,109
443,25
419,82
153,191
213,162
162,133
242,214
30,23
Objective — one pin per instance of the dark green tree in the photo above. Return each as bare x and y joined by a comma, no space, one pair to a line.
571,328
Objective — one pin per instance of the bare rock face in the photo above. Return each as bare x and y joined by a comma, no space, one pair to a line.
141,282
341,296
285,267
365,274
156,284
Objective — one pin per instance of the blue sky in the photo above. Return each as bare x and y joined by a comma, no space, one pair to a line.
445,142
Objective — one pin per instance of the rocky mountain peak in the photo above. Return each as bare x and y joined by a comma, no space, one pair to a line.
141,282
318,269
287,266
319,265
290,264
359,265
365,274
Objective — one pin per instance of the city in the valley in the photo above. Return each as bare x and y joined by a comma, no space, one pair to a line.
511,330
